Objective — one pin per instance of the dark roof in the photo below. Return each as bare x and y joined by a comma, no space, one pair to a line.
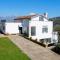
24,17
27,17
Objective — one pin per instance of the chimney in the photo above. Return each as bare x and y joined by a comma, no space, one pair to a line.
46,15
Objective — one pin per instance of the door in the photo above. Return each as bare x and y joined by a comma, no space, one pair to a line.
20,30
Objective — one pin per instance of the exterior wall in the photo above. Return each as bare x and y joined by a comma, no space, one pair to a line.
35,18
12,28
19,21
25,27
45,19
39,18
38,22
54,38
39,25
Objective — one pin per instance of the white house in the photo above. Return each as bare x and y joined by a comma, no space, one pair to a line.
36,27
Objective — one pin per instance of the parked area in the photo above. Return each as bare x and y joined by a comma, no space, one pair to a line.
9,51
33,50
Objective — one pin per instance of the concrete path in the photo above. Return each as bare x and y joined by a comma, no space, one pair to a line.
1,35
33,50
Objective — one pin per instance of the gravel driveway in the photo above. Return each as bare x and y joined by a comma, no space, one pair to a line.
33,50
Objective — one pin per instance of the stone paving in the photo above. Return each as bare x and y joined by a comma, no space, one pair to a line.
33,50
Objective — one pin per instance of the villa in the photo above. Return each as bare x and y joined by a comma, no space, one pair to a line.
35,26
38,27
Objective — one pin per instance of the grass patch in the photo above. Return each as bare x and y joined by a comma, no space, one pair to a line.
9,51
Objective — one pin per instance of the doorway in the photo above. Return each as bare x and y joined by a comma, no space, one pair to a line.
20,30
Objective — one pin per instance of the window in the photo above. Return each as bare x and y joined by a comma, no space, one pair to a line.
40,18
33,31
45,29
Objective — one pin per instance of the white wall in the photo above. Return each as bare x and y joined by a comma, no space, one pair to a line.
39,18
45,19
12,28
39,25
54,38
35,18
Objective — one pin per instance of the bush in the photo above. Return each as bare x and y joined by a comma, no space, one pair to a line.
57,48
57,28
58,45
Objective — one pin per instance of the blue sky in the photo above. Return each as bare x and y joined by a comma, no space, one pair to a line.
24,7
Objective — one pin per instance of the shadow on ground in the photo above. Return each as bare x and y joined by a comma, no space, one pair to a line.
35,41
56,50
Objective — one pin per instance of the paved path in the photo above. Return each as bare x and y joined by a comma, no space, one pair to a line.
1,35
33,50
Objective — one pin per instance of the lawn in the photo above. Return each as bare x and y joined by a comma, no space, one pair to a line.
9,51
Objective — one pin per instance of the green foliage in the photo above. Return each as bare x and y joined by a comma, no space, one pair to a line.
9,51
58,45
56,22
56,28
56,49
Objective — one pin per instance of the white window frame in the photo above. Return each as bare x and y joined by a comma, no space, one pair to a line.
45,29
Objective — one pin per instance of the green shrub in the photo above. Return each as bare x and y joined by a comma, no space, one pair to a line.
58,45
57,28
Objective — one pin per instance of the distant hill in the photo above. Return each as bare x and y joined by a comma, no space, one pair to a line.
56,22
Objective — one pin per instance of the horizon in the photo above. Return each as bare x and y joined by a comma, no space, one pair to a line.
25,7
